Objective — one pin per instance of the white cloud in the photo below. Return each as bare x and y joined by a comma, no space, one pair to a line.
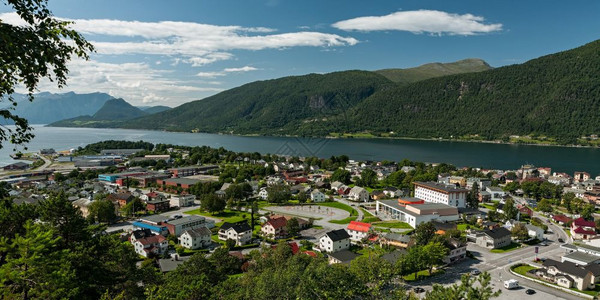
421,21
200,43
225,71
242,69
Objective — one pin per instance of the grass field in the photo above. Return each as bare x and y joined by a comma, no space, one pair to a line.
343,221
511,247
341,206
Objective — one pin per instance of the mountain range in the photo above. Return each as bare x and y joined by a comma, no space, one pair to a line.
556,97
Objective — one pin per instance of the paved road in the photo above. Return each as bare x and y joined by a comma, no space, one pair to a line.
354,205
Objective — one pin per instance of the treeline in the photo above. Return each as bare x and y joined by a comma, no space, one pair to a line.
96,148
554,96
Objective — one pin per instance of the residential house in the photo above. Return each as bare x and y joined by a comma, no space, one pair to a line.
335,240
170,264
378,195
358,231
195,238
240,232
317,196
392,192
336,185
121,198
535,232
497,194
158,205
342,257
457,251
581,176
526,211
83,205
494,238
582,229
561,219
566,274
359,194
275,228
151,245
395,239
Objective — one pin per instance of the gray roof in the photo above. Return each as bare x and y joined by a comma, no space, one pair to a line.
187,181
497,233
170,264
155,218
345,256
186,219
594,268
237,227
393,256
397,237
198,232
443,187
568,268
582,257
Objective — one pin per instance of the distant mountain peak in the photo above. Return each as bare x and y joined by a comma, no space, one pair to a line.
435,69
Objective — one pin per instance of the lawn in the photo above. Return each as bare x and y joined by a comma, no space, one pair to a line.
368,217
511,247
392,224
490,207
523,269
344,221
231,216
341,206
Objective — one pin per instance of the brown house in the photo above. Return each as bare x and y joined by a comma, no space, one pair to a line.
158,205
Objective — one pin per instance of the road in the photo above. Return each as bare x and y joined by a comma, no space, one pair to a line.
354,205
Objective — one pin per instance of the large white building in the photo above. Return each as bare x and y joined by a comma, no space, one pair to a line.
182,200
440,193
240,232
417,213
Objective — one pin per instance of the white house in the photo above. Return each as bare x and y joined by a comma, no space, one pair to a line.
151,245
263,194
358,231
334,241
358,193
317,196
441,193
496,193
195,238
535,232
240,232
182,200
392,192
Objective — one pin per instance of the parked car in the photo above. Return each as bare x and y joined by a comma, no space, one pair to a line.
560,240
529,292
475,272
418,290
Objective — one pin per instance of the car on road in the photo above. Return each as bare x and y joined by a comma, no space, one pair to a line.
475,272
529,292
418,290
560,240
543,244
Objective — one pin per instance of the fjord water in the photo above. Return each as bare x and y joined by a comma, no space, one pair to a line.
498,156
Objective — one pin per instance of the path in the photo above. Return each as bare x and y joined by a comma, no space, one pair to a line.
353,205
322,213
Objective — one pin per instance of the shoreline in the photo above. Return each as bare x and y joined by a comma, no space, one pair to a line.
351,137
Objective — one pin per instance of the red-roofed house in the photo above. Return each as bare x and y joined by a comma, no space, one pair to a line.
275,228
526,211
358,230
561,219
582,229
293,245
151,245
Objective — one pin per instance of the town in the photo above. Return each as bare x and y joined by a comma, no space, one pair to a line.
532,230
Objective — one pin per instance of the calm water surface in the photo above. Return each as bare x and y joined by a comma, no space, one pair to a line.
496,156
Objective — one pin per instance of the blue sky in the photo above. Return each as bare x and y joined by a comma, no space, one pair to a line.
171,52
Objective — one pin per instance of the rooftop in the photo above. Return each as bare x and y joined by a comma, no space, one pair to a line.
186,219
359,226
439,187
344,256
582,257
338,235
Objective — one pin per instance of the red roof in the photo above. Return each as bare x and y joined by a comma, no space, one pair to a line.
155,239
561,218
277,222
584,223
583,231
359,226
310,253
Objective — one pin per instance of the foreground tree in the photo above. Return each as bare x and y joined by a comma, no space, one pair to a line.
467,289
41,49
